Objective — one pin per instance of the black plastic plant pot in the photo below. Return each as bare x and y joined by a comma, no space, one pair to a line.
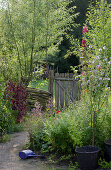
108,150
87,157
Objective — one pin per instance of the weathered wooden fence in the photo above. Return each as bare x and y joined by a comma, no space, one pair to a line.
37,95
66,89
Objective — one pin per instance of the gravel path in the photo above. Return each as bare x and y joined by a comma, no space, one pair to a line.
9,159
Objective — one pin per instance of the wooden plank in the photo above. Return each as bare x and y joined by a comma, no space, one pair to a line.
56,94
63,78
60,84
69,89
51,80
76,90
66,96
56,75
62,94
71,75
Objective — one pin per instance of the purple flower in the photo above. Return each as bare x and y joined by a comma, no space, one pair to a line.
97,57
105,59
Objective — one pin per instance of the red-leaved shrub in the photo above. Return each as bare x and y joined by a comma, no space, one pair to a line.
16,94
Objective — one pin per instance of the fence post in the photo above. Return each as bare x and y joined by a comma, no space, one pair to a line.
51,80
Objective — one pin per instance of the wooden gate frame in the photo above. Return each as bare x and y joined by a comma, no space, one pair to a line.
66,89
63,94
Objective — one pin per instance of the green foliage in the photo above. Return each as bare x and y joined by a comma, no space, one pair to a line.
95,63
5,138
74,167
15,127
98,36
104,164
30,30
34,126
64,131
40,84
6,117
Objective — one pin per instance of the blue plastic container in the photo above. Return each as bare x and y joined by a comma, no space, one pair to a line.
27,154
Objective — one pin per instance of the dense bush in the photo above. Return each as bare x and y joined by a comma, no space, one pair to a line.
6,116
34,126
63,131
16,94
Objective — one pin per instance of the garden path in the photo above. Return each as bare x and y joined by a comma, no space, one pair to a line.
9,159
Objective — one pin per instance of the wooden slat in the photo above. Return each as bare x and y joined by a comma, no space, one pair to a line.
75,90
60,84
66,95
63,78
56,94
68,88
51,80
62,94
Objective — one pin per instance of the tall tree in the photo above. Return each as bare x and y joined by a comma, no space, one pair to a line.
30,30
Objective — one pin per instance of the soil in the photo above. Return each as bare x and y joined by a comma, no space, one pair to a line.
9,156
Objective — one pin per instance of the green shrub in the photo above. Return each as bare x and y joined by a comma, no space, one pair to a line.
64,131
72,127
6,114
34,125
104,164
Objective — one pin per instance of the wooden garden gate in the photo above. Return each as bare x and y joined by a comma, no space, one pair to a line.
66,89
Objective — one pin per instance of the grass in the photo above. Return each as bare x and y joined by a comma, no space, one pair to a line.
41,84
5,138
16,128
109,98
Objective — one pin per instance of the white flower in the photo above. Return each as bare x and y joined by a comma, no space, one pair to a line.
109,62
100,49
90,46
106,79
104,48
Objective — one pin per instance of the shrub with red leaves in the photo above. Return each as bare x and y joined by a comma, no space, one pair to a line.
16,94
